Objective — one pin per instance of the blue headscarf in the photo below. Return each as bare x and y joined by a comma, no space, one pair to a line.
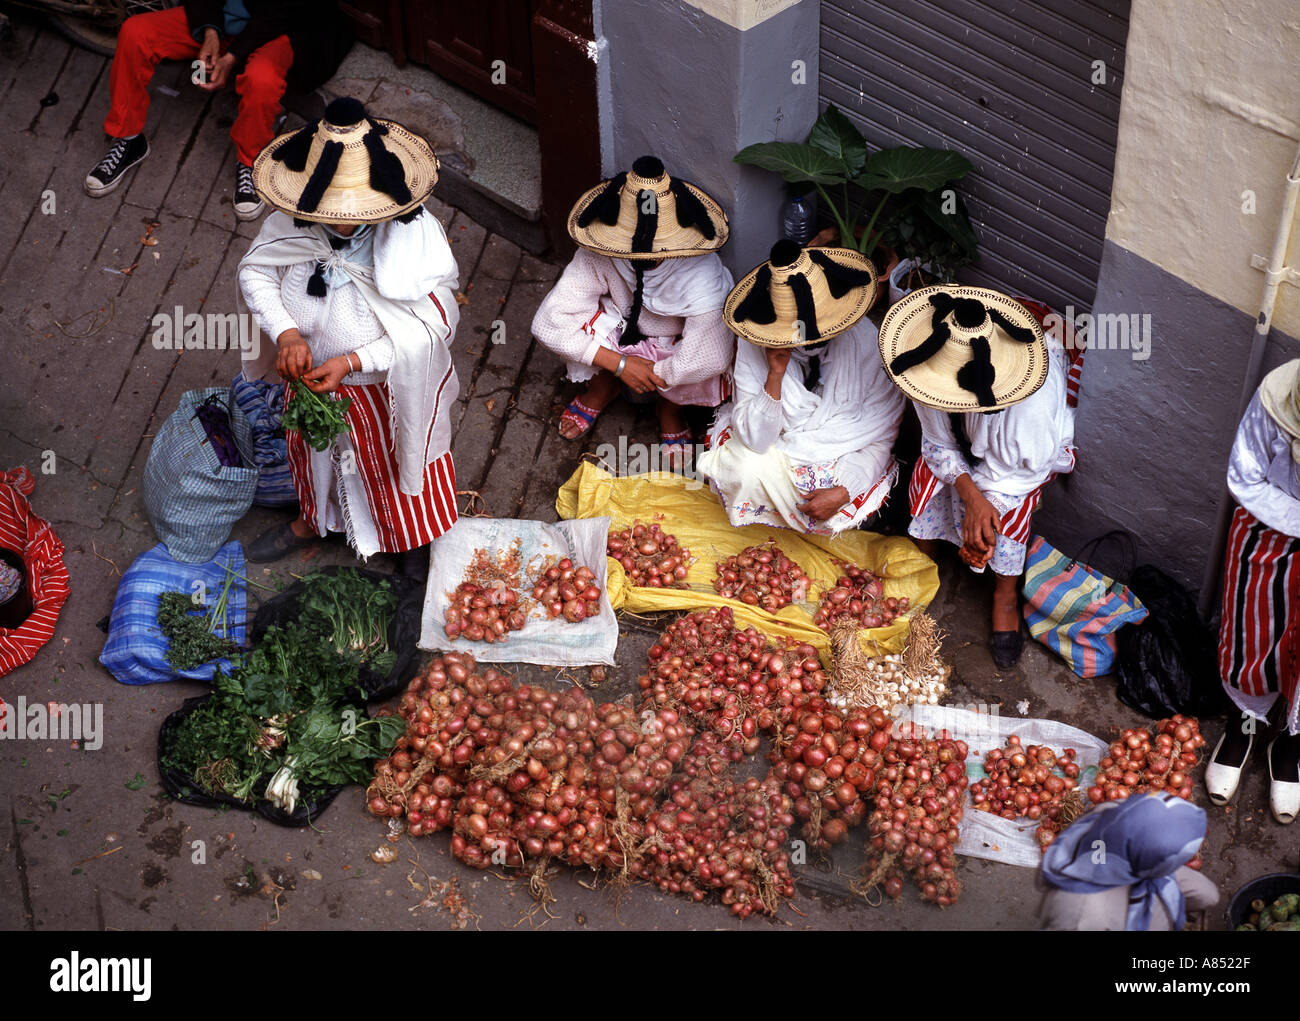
1139,843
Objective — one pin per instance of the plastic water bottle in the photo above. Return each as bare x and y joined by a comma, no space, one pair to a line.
799,218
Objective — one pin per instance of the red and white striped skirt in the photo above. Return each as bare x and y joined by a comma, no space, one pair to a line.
1259,637
375,512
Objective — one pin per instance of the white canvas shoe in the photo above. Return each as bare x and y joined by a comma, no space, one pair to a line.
1283,795
1221,781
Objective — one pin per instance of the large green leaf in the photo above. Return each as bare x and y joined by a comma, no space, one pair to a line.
835,134
794,161
955,224
896,170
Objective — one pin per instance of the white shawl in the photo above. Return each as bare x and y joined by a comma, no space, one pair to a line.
858,408
411,262
680,287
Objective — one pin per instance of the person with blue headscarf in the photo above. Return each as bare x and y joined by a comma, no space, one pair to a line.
1124,866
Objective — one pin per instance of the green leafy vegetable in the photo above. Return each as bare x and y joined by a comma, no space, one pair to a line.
318,418
191,640
353,614
135,783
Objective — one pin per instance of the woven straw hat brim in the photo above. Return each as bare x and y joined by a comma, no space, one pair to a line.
671,241
1020,368
349,197
834,315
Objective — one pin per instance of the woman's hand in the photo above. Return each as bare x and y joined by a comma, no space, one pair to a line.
640,375
778,360
822,503
982,522
327,376
293,356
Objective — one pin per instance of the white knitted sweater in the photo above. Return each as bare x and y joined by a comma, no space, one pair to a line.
592,284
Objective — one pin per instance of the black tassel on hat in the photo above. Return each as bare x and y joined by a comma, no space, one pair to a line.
314,190
691,212
756,306
933,344
978,374
293,151
840,279
386,171
647,221
805,306
604,206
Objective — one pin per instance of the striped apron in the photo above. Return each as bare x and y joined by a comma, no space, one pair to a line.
353,486
1259,637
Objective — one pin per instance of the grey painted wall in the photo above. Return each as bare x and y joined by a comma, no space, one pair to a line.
694,91
1154,435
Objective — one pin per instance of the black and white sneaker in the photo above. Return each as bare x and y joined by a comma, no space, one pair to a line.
122,155
248,204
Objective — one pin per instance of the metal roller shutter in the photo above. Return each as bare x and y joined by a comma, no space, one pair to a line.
1008,83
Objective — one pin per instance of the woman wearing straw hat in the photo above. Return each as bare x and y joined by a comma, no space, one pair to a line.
640,304
1259,638
990,392
354,281
806,443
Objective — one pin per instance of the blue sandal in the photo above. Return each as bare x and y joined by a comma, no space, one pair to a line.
583,416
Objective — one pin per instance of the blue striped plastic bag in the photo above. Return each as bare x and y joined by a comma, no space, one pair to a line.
192,499
263,403
1074,609
136,650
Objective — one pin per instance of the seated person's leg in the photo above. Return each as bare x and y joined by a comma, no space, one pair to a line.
143,41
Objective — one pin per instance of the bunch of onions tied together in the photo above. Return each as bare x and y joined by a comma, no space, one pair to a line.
650,556
483,613
913,827
1031,782
761,576
858,594
733,682
716,834
568,591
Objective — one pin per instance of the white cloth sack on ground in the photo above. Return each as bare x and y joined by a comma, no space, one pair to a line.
983,834
548,642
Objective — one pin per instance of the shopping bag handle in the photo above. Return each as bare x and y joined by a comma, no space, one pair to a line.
1089,549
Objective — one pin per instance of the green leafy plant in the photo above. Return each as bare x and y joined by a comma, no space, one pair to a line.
353,614
888,188
318,418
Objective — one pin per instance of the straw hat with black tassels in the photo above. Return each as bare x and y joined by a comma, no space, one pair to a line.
801,296
348,167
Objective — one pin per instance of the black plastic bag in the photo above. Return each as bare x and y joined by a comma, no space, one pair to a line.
403,628
1169,663
186,789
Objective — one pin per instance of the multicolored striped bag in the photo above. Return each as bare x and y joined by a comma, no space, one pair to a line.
1074,609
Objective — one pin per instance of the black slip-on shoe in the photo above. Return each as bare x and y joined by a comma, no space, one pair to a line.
275,543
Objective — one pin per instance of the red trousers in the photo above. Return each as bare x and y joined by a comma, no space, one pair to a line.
146,39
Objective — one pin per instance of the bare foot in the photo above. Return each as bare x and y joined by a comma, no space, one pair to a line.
301,529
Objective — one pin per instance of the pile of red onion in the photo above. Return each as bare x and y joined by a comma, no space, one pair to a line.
483,613
650,556
568,591
761,576
522,775
859,595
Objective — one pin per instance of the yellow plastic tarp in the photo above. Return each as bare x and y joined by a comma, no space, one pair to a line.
691,512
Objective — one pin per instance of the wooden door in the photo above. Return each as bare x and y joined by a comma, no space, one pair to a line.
484,46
